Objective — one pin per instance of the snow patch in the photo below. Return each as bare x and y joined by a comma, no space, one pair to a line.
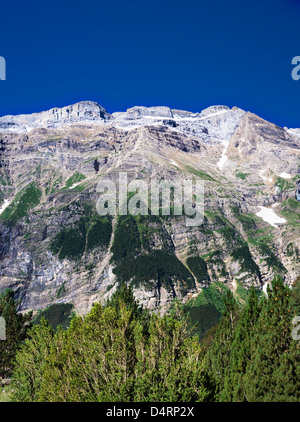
75,184
285,175
268,215
174,163
4,205
265,288
223,158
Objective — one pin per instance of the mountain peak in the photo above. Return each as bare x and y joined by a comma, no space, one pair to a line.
156,111
78,112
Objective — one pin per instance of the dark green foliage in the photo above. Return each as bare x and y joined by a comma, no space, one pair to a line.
243,294
273,373
201,174
121,353
253,356
4,177
292,204
284,184
230,234
220,352
30,363
295,295
270,258
69,243
150,227
290,211
99,234
75,178
215,294
244,257
139,267
206,309
247,221
159,265
118,353
214,259
127,242
198,267
242,175
290,249
57,314
204,317
124,294
234,384
16,326
87,233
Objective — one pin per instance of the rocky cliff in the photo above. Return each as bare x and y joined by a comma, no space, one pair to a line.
55,248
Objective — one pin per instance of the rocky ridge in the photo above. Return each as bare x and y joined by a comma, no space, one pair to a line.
52,161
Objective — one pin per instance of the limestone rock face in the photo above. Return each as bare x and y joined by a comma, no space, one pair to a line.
84,111
149,111
51,163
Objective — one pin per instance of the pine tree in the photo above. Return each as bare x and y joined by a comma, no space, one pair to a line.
16,325
240,356
114,354
219,356
273,373
171,366
124,295
30,363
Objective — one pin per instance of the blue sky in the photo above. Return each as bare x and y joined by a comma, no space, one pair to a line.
183,54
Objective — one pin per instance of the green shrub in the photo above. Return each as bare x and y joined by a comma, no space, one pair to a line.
117,353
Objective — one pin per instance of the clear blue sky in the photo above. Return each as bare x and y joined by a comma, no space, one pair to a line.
186,54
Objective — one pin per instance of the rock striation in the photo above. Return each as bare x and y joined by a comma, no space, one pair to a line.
54,248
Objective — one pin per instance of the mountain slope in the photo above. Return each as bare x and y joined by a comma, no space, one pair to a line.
55,248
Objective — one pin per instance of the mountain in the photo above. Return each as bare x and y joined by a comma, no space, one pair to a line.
56,249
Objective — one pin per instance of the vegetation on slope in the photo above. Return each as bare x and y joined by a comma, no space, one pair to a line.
244,257
56,314
28,198
199,268
142,266
89,232
15,330
254,356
